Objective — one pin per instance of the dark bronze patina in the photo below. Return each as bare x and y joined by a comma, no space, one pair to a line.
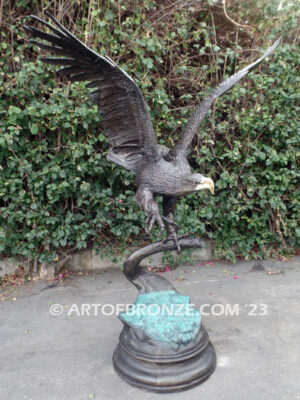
160,171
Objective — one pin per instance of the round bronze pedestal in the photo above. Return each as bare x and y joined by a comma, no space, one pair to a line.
157,367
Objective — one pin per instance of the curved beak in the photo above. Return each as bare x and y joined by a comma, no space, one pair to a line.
206,183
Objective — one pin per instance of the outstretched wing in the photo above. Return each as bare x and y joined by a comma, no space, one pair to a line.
200,112
125,118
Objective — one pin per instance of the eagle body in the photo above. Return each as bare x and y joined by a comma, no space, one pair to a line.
163,177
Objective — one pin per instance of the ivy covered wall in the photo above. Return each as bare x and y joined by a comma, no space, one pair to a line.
57,190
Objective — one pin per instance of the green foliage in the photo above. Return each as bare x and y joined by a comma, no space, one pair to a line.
58,191
57,188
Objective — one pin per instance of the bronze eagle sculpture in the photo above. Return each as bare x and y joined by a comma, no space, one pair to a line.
126,122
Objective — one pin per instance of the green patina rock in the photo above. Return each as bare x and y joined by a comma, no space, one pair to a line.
165,315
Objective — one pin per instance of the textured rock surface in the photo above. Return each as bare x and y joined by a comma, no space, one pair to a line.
165,315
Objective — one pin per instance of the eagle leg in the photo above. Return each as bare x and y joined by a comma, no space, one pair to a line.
169,205
144,198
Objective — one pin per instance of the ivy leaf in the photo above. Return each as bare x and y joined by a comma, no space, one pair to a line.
34,129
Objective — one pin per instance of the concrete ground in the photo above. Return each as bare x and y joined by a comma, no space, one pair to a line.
47,357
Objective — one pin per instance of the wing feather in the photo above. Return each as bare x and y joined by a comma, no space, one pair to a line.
125,118
200,112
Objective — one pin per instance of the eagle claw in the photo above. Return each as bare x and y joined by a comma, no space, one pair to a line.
151,219
172,228
172,236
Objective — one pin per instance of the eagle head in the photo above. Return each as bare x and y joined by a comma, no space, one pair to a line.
194,182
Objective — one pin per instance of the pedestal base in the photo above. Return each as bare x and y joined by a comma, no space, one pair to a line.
161,372
162,354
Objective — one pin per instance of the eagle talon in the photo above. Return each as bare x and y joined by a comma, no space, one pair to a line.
151,219
173,236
